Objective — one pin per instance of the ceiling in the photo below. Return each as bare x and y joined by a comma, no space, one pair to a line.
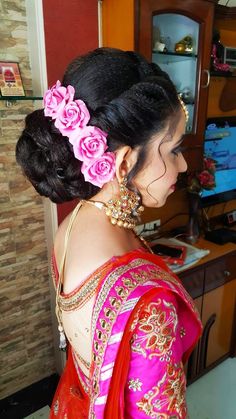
228,3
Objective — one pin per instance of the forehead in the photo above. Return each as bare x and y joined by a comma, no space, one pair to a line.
173,131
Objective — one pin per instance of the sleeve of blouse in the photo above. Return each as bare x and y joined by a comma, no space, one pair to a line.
156,381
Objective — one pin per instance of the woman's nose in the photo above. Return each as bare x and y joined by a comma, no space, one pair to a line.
182,164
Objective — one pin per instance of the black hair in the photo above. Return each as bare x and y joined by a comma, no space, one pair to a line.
127,97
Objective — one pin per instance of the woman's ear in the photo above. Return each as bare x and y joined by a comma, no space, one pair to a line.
126,158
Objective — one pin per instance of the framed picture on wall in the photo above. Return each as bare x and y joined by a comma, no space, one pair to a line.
10,79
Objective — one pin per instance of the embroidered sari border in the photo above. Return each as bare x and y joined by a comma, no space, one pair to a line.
126,282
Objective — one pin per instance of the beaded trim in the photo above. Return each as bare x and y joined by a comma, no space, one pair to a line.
106,287
81,295
84,384
118,296
85,363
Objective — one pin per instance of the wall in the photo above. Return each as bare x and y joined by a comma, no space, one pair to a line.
26,345
71,29
118,24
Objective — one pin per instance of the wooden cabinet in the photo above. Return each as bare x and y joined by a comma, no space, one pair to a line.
169,21
218,310
213,288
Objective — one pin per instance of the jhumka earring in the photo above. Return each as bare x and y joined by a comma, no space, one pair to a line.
125,210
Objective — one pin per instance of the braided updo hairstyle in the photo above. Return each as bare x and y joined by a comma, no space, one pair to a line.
127,97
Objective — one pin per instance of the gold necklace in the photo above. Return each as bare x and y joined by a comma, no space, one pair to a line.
144,242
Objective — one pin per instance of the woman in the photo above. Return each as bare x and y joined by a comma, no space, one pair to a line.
110,135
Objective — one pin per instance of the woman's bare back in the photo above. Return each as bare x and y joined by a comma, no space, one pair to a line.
92,242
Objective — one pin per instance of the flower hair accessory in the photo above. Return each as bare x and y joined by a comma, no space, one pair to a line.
204,179
89,142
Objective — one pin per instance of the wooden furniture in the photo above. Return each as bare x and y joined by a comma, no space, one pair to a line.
171,20
212,285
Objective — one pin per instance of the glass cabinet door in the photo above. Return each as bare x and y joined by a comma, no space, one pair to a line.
175,50
177,35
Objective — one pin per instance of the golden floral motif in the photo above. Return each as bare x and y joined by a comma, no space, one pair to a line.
167,398
135,384
158,330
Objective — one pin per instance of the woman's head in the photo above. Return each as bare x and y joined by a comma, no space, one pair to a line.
131,101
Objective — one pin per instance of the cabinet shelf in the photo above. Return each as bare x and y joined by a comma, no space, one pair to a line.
14,98
222,74
176,55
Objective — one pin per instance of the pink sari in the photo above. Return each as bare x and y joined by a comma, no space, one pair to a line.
144,327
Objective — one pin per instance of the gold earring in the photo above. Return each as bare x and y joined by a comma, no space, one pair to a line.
125,210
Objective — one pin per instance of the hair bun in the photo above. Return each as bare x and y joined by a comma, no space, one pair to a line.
47,160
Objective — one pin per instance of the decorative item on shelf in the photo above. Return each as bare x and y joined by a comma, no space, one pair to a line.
217,55
186,95
167,41
158,41
185,45
196,182
160,47
10,79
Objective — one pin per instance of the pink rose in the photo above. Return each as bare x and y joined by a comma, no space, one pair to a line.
89,143
73,115
55,99
100,170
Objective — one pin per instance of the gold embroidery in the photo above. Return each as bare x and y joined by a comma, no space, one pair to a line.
108,284
81,296
135,384
82,381
182,332
56,407
168,396
106,325
53,274
158,328
153,273
83,361
163,275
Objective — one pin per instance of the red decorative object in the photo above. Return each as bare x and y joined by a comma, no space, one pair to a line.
197,181
204,179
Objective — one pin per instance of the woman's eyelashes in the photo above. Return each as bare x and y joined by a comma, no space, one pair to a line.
178,150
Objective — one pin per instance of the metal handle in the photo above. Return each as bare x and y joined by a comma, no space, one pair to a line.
227,273
208,78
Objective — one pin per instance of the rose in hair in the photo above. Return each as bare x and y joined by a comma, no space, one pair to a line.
89,143
73,115
101,170
56,98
